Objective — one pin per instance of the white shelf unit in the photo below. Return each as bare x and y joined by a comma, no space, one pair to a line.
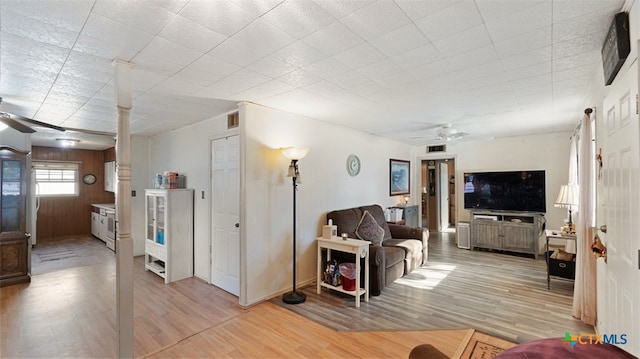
168,248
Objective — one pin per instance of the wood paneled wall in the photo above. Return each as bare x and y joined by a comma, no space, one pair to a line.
71,216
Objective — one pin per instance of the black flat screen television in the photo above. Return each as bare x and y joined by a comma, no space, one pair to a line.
522,191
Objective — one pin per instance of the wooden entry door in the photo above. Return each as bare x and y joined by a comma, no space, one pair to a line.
15,246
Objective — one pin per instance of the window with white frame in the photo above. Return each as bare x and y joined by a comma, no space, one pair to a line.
56,178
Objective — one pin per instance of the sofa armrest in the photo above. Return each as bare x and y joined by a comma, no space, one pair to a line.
376,269
401,231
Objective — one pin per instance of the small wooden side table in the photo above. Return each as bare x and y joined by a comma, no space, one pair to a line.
551,234
360,249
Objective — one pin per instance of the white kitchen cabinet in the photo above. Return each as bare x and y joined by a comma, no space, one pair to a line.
95,223
169,233
110,176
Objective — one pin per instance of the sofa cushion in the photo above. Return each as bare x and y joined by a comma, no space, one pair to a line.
369,230
346,219
377,213
412,252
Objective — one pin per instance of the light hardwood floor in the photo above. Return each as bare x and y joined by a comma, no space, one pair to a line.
500,294
71,313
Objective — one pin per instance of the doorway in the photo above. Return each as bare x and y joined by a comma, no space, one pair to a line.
225,214
438,194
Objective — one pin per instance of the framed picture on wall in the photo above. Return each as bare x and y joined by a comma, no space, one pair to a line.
399,177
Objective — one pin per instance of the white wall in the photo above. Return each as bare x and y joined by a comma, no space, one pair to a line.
549,152
187,151
266,226
325,186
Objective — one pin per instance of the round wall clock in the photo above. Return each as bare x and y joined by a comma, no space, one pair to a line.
353,165
89,178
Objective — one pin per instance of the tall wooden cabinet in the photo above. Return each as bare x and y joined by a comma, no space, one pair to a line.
15,242
169,234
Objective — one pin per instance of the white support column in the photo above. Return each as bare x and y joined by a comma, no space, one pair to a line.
124,242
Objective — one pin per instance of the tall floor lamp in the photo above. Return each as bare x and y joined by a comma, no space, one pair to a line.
568,198
294,154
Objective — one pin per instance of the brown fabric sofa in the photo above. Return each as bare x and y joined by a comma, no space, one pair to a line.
402,249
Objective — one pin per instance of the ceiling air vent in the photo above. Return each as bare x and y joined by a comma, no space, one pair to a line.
233,120
438,148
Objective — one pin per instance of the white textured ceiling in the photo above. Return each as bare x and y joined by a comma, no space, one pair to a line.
394,68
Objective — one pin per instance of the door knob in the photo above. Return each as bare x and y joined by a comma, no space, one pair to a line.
603,228
27,234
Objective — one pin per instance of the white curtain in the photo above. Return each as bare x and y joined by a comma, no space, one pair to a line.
584,293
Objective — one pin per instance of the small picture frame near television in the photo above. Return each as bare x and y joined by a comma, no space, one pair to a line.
399,177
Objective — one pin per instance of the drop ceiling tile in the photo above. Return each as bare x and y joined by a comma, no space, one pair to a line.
449,21
257,8
376,19
536,39
583,44
360,56
577,27
99,48
267,89
299,78
526,59
418,9
473,58
223,17
170,5
349,79
263,36
191,35
299,54
465,41
178,85
208,69
271,66
141,15
299,18
327,67
499,9
381,69
340,9
239,81
418,57
165,56
234,52
115,33
520,22
400,40
582,59
563,10
333,39
69,15
19,25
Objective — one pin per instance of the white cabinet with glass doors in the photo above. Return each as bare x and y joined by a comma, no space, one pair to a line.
169,233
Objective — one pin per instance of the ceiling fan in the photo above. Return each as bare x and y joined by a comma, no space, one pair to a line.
16,122
448,133
19,123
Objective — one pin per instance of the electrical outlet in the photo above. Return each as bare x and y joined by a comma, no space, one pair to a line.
133,193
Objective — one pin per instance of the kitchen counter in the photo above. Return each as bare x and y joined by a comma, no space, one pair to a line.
111,206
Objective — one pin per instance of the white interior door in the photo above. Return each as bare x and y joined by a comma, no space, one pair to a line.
618,208
443,195
225,203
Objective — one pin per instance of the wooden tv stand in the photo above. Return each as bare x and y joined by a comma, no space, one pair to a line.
506,231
